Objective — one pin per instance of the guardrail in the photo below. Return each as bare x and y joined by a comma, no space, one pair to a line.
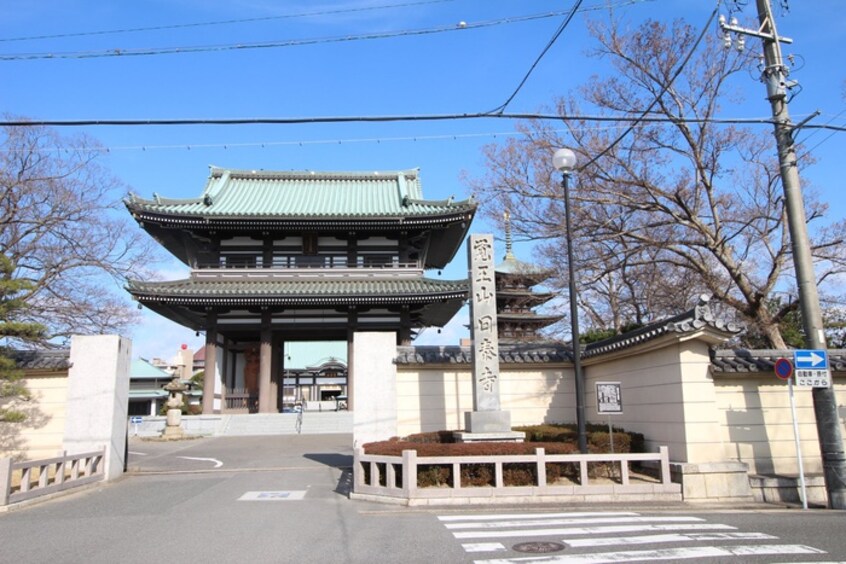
21,481
395,478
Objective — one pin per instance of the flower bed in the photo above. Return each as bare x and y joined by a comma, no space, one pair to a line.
554,439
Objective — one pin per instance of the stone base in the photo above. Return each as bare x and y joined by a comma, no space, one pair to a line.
787,490
713,481
511,436
173,432
487,421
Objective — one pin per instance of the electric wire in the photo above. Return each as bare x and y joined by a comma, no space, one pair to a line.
276,44
657,99
300,143
543,52
118,52
824,139
222,22
643,118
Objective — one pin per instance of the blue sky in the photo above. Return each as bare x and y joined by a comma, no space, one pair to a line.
461,70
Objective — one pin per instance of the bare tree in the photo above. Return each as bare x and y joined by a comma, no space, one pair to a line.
62,226
677,207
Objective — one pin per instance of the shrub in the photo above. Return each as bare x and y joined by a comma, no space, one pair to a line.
436,437
475,475
554,438
434,475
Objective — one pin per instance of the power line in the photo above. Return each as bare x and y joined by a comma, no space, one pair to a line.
120,52
274,44
644,118
664,89
543,52
824,139
223,22
299,143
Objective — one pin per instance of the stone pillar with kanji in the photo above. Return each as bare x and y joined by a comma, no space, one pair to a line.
487,421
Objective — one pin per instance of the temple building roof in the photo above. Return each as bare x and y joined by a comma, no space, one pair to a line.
297,291
434,301
243,201
258,194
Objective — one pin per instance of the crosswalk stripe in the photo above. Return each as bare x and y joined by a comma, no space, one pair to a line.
483,547
498,516
663,554
675,537
583,521
573,531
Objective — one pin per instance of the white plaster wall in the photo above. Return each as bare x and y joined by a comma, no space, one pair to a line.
652,394
756,422
98,398
374,389
41,435
436,398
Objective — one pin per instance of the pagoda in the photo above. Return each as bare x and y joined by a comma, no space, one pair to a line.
277,256
517,322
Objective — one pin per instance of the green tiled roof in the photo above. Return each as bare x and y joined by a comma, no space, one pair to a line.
305,195
141,369
344,291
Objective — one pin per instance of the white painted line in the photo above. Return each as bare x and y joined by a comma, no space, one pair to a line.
649,539
495,516
137,453
217,463
588,521
484,547
663,554
273,496
755,550
573,531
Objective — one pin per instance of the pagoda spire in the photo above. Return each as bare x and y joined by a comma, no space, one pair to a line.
508,254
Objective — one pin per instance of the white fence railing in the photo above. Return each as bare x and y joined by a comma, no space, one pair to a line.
396,477
21,481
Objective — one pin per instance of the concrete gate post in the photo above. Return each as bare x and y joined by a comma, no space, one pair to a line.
98,398
374,393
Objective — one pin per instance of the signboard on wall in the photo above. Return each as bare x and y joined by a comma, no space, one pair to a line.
812,369
609,397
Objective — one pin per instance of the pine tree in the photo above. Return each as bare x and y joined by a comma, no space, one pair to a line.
13,330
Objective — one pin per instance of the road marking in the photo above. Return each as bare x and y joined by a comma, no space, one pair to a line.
664,554
649,539
573,531
137,453
483,547
217,463
273,496
496,517
588,521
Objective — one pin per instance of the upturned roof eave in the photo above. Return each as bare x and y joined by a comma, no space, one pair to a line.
202,293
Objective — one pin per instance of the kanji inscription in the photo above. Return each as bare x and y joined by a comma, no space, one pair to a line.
483,324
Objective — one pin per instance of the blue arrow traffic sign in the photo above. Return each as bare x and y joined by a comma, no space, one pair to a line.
810,358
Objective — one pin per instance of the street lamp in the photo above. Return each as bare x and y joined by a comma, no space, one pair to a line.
564,161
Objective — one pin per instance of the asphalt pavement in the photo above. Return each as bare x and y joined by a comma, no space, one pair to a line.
285,499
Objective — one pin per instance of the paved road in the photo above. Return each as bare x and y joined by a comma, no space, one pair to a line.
283,499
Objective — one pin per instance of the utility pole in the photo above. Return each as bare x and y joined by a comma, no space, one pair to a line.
825,404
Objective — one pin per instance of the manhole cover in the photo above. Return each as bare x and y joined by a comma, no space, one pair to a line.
539,547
